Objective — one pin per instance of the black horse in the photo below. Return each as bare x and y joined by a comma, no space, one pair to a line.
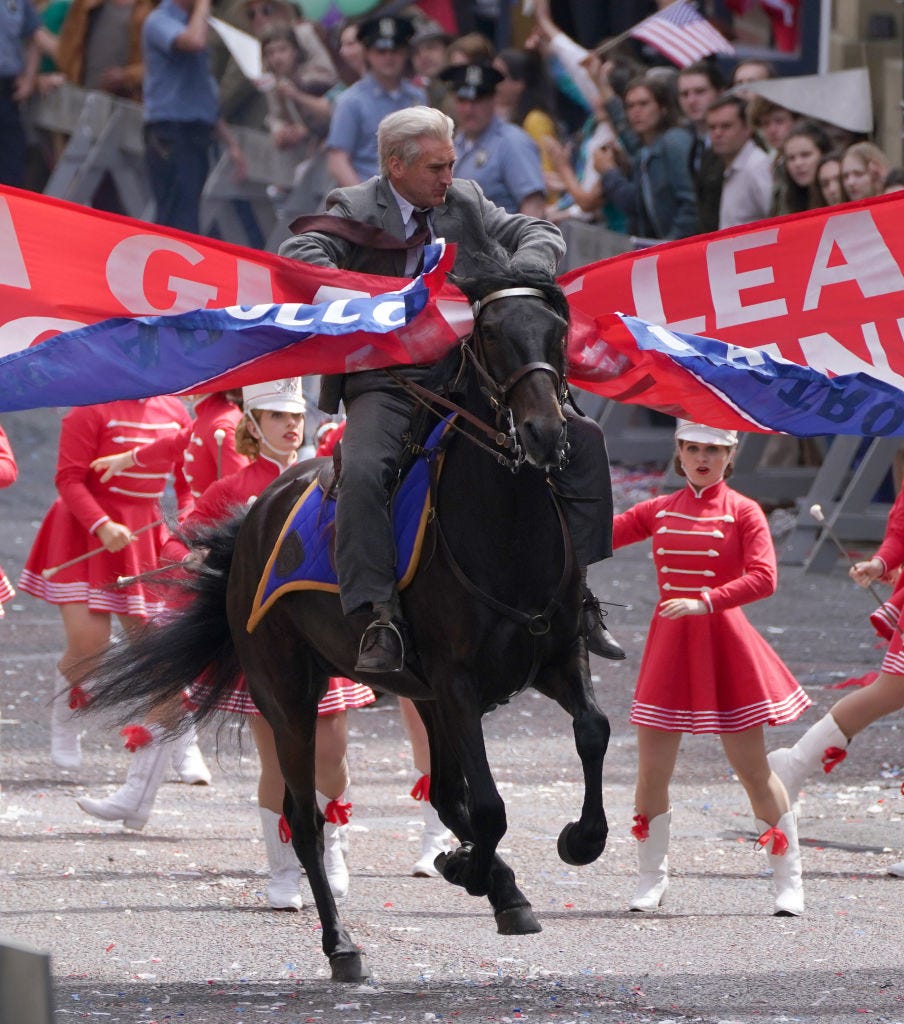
494,607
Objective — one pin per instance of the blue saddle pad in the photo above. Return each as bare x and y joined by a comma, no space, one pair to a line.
300,560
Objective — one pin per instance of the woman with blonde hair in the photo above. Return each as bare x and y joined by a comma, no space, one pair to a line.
863,170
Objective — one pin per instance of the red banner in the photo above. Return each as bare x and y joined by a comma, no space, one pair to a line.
64,266
822,289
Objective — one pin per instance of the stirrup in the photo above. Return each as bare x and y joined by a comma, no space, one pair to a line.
389,624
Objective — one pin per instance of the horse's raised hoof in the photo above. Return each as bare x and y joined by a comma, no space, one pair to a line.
349,967
517,921
456,868
576,851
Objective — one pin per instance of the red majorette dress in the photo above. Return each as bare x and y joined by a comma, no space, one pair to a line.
195,450
709,673
84,504
8,474
219,501
888,620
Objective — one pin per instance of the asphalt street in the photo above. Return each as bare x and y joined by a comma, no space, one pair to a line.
171,923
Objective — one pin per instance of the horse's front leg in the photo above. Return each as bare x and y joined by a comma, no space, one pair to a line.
449,795
295,747
582,841
460,738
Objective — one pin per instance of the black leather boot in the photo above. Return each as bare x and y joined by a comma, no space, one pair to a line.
593,626
382,647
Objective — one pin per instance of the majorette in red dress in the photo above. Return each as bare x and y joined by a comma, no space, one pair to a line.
194,450
217,502
889,618
84,503
709,673
8,474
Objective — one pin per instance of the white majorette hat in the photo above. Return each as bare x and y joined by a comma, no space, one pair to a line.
687,431
276,395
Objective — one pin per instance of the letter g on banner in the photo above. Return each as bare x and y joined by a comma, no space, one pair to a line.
128,276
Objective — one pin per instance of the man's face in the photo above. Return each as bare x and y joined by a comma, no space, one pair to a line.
425,181
727,131
473,116
694,95
387,66
429,57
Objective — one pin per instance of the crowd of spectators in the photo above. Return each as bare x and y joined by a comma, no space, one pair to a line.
603,132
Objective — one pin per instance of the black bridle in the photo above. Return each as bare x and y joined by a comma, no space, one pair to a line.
503,434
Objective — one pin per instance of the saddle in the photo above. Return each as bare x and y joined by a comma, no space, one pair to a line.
302,556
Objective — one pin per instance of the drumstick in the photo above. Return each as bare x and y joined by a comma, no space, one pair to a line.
219,435
817,514
127,581
53,570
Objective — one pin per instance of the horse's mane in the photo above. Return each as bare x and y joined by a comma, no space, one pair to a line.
492,271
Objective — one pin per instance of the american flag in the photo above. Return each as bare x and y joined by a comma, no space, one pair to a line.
682,34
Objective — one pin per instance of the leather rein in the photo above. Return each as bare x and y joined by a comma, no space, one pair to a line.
537,624
496,394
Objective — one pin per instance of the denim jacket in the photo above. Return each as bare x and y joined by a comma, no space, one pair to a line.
659,198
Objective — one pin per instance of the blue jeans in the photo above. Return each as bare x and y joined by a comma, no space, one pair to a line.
177,155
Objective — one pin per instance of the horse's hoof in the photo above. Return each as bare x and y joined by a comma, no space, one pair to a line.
574,850
456,867
349,967
517,921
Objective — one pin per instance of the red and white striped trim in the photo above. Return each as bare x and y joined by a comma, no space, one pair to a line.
6,590
677,720
112,602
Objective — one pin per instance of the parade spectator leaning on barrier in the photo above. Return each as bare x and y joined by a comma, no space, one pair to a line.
795,174
658,197
352,141
19,57
863,170
747,180
828,187
700,85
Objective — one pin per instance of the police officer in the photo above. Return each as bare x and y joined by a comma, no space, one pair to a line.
502,158
352,141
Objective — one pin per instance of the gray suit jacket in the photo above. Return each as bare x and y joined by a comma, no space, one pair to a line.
467,217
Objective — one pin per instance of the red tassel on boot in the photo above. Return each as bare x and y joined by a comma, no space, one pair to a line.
136,737
421,789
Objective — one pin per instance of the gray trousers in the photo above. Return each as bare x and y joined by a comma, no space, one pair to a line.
379,413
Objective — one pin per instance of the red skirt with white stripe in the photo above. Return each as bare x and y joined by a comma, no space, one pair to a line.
893,662
713,674
341,695
6,590
62,537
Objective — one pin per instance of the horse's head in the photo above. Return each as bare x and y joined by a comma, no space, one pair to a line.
520,324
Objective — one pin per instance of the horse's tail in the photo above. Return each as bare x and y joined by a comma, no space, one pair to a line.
193,643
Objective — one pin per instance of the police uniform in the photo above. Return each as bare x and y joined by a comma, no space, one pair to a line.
363,105
503,159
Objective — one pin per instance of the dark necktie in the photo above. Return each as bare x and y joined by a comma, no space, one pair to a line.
420,237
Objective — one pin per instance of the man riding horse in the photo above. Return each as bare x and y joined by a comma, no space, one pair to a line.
415,198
